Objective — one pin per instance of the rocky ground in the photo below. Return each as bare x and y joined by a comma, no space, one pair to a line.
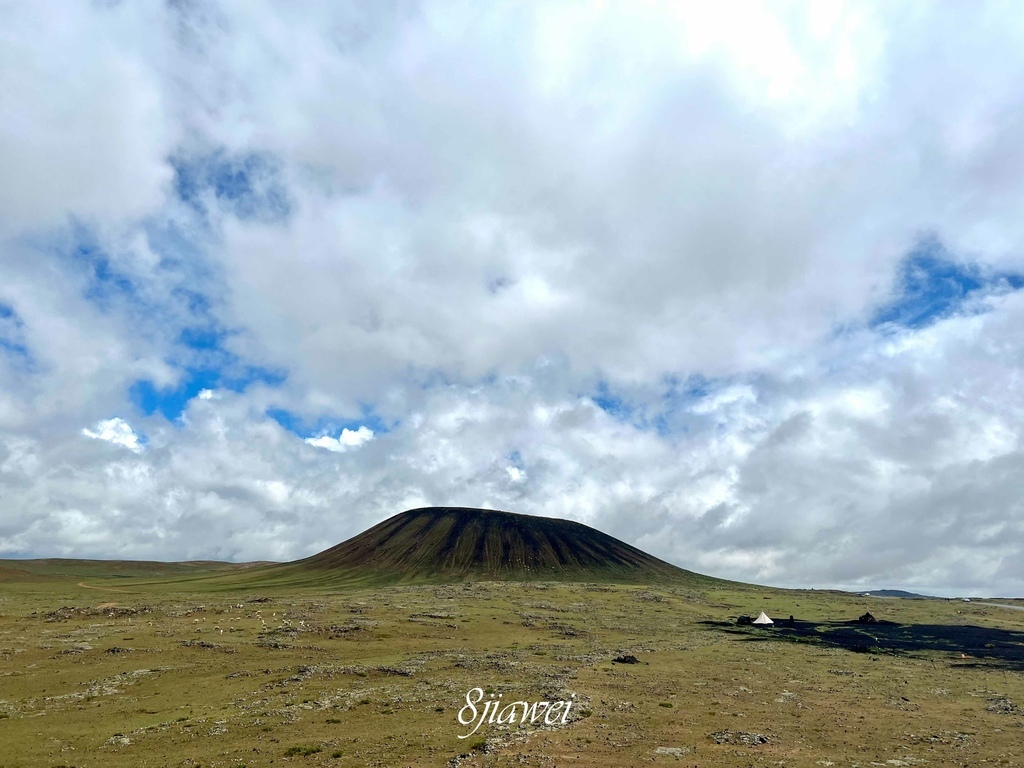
154,677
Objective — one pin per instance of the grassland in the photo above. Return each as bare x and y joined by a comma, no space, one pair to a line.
134,670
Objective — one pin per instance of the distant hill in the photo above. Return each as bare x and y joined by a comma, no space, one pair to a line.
896,593
58,567
450,544
13,574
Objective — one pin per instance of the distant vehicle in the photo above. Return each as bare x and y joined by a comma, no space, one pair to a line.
967,599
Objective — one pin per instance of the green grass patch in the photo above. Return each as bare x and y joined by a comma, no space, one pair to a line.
302,751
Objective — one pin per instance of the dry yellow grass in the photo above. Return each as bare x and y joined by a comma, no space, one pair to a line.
150,676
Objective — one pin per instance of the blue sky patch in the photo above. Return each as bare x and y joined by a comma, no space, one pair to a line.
156,298
931,286
248,185
613,404
670,412
211,366
171,401
170,309
107,286
324,425
12,335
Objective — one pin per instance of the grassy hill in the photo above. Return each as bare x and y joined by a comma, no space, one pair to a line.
433,545
896,593
59,566
451,544
58,569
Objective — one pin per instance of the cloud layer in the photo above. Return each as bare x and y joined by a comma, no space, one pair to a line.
739,285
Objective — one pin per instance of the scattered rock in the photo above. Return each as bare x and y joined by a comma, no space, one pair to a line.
741,737
274,644
651,597
77,648
340,630
63,613
626,659
397,671
113,611
198,644
676,752
1002,706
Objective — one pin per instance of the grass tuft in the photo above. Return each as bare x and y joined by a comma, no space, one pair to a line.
303,751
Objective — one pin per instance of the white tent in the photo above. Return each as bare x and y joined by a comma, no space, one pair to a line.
763,620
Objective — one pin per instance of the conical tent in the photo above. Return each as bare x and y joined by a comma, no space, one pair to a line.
763,619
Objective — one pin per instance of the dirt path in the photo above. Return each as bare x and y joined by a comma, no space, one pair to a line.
1004,605
83,585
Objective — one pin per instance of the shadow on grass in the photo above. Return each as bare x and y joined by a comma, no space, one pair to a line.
983,646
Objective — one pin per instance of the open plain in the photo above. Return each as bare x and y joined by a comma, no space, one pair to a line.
113,664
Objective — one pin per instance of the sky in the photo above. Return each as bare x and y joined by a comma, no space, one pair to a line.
738,283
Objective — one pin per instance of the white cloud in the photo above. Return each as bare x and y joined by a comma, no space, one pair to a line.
512,205
116,431
349,438
699,206
85,128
